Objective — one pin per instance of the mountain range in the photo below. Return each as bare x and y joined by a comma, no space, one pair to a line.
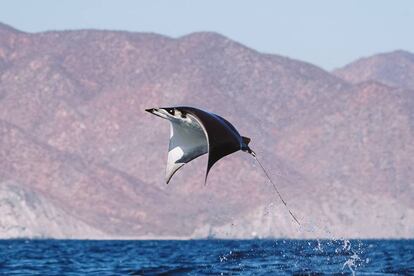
80,157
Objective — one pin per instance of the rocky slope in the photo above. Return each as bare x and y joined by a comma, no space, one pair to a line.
26,213
73,129
393,69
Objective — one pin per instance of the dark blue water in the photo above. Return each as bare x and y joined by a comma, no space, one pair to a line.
214,257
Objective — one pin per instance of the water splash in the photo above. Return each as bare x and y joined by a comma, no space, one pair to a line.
352,263
347,245
268,208
319,246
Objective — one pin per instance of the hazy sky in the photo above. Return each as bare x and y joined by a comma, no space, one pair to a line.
327,33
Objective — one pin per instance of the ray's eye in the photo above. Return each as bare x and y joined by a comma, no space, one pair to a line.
171,111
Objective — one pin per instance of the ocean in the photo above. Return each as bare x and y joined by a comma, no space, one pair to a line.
207,257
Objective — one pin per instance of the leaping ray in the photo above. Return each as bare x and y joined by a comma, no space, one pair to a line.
195,132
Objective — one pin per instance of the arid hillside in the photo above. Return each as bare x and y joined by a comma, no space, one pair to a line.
80,157
393,69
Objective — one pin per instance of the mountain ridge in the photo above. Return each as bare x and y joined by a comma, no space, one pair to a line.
74,130
393,68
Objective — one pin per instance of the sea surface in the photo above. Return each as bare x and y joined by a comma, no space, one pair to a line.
207,257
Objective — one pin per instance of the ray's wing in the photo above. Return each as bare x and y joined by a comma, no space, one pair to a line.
225,139
222,137
187,142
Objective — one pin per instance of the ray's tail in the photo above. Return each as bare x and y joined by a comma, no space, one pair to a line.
274,186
